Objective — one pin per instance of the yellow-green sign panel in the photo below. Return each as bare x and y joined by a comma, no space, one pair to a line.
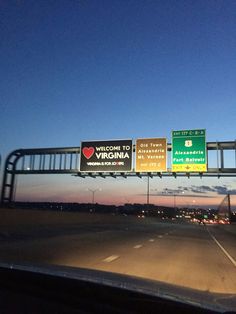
189,151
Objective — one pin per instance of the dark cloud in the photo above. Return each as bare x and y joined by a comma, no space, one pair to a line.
223,190
172,191
196,189
203,189
179,195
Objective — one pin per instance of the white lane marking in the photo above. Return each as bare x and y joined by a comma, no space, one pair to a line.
223,249
138,246
151,240
160,236
110,258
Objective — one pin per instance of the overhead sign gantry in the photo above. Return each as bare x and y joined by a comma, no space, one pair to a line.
114,158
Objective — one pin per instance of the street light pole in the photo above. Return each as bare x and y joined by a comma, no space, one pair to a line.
174,195
93,194
148,191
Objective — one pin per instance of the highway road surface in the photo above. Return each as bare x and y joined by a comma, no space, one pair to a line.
175,252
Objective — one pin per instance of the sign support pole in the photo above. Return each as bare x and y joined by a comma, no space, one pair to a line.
148,178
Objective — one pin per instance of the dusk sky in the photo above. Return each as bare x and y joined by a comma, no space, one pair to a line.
74,70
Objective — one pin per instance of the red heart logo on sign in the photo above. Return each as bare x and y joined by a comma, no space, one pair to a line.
88,152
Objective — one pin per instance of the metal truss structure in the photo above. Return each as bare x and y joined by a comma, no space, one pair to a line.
66,161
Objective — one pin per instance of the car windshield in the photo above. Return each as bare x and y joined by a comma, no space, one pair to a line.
117,144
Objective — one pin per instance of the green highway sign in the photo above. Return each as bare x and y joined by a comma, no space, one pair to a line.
189,151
